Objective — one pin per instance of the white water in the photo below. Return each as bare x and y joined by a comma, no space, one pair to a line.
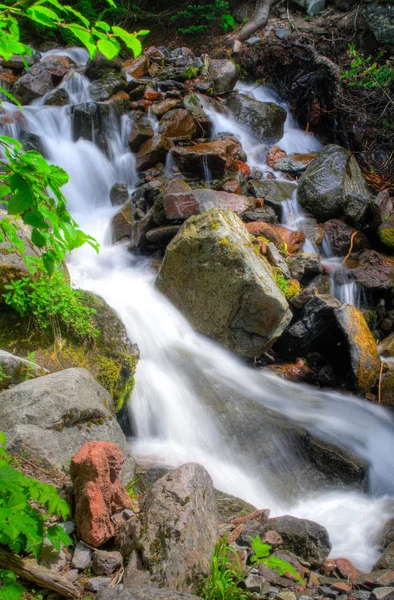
172,425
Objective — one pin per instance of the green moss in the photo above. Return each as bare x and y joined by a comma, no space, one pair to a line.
289,287
190,73
111,375
214,224
386,236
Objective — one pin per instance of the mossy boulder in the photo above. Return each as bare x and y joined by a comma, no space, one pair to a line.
111,358
386,234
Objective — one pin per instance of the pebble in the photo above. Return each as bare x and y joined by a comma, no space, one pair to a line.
95,584
68,526
253,40
106,563
82,558
71,575
282,33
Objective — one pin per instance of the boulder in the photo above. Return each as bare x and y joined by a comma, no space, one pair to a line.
161,108
104,562
34,84
119,194
100,65
99,494
162,235
104,88
286,240
178,123
273,192
304,266
234,298
152,152
59,97
216,156
91,121
380,19
141,133
333,185
381,207
176,531
386,234
295,163
265,120
374,271
178,200
122,223
224,74
194,104
51,417
147,593
386,561
16,369
340,236
136,67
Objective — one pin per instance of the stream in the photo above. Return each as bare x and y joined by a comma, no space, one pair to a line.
171,424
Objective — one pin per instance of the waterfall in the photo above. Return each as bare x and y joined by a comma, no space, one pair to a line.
171,422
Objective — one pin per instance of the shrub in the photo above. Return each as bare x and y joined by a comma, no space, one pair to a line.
196,18
367,72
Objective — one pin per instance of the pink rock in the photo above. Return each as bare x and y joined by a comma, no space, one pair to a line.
98,491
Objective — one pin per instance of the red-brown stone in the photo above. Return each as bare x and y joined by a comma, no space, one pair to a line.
346,569
240,167
274,155
277,234
137,67
98,491
341,586
233,187
152,95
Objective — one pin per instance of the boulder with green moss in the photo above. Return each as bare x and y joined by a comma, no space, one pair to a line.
386,234
216,276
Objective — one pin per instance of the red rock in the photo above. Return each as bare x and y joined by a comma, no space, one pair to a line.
328,566
7,76
217,156
179,201
152,152
260,515
274,155
346,569
136,67
140,105
164,106
273,538
152,95
234,535
240,167
279,235
233,187
342,586
98,491
178,123
299,372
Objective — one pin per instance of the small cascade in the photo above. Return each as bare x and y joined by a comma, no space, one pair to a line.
206,171
153,121
342,286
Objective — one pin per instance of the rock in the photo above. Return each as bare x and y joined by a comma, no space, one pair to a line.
54,560
136,67
91,121
149,593
273,192
297,372
239,154
374,271
122,223
16,62
57,66
216,156
295,163
387,391
256,584
178,200
312,7
306,539
109,84
380,578
119,194
194,104
379,19
346,569
333,185
252,41
40,417
82,557
266,214
34,84
229,507
176,531
384,593
140,229
121,101
233,187
339,236
304,266
99,66
276,259
95,584
162,235
178,123
16,370
152,152
224,74
381,208
386,561
345,5
274,155
59,97
99,494
234,298
207,199
163,107
286,240
141,133
264,119
106,563
386,346
386,234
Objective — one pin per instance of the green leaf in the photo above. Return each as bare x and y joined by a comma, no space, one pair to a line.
77,14
49,263
35,219
4,190
58,176
129,39
108,47
143,32
38,238
102,25
19,203
3,439
10,96
11,142
85,37
111,3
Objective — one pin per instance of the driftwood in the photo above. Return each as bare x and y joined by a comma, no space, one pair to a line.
27,568
258,19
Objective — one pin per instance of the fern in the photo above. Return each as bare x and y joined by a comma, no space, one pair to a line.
262,555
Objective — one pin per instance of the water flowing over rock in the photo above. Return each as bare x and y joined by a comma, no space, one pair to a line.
216,156
52,416
340,236
234,298
333,185
178,123
176,532
265,120
99,494
273,192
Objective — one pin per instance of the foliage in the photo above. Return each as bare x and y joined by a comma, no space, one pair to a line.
262,555
3,375
29,373
367,72
226,574
25,507
52,302
290,287
195,18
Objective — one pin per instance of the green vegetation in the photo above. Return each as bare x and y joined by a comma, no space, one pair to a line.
25,507
262,555
2,374
196,18
289,287
369,72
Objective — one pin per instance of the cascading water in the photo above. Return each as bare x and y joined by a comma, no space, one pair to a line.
171,422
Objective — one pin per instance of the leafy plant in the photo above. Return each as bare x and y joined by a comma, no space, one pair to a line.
25,507
227,22
367,72
29,374
195,18
3,375
226,575
262,555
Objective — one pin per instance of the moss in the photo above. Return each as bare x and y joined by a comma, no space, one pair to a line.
289,287
386,236
190,73
214,224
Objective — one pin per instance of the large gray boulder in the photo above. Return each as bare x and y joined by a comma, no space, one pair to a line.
380,20
175,534
213,274
91,121
146,593
17,369
224,74
273,192
265,120
51,417
333,185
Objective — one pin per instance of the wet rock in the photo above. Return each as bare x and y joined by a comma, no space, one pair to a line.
183,73
274,155
339,236
82,557
233,187
109,84
40,417
214,156
148,593
16,370
98,491
306,539
346,569
140,229
224,74
119,194
59,97
386,234
333,185
178,123
286,240
152,152
137,67
163,107
95,584
106,563
304,266
381,207
214,251
264,119
141,133
239,166
387,392
178,200
379,578
273,192
239,153
121,102
34,84
16,62
386,561
99,66
266,214
297,372
194,105
176,531
91,121
122,223
374,271
295,163
276,259
384,593
379,19
162,235
207,199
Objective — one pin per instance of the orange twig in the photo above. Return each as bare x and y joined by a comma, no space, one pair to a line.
351,246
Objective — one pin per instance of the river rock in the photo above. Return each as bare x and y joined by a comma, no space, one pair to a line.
119,194
374,271
234,298
304,266
122,223
152,152
176,531
286,240
224,75
51,417
178,200
100,65
387,390
136,67
333,185
106,563
381,207
161,108
91,121
214,156
34,84
17,370
379,19
162,235
339,236
194,104
273,192
59,97
264,119
294,163
386,561
109,84
142,131
148,593
178,123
